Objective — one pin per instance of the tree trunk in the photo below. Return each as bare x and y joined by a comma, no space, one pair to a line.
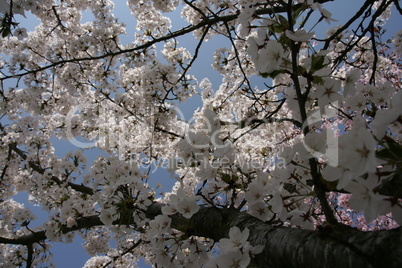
330,246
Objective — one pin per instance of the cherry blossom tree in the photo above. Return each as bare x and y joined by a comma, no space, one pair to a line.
303,170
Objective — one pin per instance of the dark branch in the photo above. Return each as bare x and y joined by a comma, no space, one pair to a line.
188,29
367,4
332,245
79,188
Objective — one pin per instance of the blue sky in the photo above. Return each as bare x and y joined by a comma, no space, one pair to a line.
74,255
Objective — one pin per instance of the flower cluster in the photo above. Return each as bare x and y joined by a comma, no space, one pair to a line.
304,127
179,202
235,251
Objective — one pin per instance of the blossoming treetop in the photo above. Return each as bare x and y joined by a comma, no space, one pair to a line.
307,165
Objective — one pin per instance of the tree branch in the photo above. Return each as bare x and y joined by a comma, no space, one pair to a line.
301,98
331,245
347,24
79,188
188,29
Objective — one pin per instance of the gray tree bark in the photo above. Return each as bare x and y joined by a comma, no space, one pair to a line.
329,246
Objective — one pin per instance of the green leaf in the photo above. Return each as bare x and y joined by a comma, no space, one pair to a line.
392,152
226,178
283,21
6,31
229,179
317,63
297,12
301,70
291,188
277,28
318,80
272,74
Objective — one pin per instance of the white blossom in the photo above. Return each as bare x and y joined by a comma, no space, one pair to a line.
115,127
233,259
268,59
108,216
365,199
235,241
299,35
